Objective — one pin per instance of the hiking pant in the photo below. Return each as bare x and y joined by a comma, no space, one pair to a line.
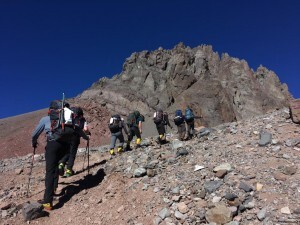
181,131
134,131
161,132
114,137
70,156
54,152
190,128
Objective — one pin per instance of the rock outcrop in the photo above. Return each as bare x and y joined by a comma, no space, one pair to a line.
222,89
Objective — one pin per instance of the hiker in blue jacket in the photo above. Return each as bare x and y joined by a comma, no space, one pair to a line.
190,122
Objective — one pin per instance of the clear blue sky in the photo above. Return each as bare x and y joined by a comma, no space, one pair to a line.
50,47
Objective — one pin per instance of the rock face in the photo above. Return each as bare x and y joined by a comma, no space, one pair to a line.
295,110
220,89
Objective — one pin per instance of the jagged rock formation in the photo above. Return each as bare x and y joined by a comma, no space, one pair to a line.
222,89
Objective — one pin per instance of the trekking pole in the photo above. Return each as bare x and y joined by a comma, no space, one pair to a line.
30,171
88,150
84,158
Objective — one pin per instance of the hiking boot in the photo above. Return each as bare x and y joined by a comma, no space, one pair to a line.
47,206
112,152
68,173
61,169
120,150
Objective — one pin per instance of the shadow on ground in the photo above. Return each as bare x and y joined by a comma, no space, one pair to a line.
89,181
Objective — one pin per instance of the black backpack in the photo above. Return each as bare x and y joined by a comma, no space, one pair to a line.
78,119
114,124
158,117
59,131
178,119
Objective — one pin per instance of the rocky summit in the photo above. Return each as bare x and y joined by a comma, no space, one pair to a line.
244,172
219,88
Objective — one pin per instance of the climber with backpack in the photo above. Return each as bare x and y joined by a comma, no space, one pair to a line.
161,119
66,164
179,121
59,130
116,125
134,123
190,121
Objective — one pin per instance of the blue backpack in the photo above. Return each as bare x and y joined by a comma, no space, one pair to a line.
189,116
178,119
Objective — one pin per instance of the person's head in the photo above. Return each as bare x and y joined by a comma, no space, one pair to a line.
67,105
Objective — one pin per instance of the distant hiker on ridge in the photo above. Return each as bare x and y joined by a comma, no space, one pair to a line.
134,123
116,125
190,121
70,156
179,121
161,120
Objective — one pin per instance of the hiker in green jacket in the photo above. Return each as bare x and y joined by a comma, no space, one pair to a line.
134,123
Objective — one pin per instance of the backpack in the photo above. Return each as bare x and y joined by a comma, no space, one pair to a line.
59,131
178,119
158,117
132,119
114,123
78,119
189,116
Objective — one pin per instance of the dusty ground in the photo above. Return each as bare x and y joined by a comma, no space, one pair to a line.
111,195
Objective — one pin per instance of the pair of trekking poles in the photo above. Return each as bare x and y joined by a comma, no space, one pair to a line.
87,151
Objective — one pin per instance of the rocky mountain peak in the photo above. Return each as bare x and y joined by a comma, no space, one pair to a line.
222,89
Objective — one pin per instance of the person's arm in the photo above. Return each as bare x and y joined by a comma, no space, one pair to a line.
86,128
81,133
37,132
167,120
140,126
124,127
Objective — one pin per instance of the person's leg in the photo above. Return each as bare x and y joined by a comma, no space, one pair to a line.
121,142
162,133
52,158
130,137
138,136
181,131
113,140
73,151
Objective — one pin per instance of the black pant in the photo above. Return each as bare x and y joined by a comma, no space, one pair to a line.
190,128
54,152
70,156
161,132
134,131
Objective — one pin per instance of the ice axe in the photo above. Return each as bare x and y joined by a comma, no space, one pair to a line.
31,166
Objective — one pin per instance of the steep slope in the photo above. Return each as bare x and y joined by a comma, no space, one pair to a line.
225,174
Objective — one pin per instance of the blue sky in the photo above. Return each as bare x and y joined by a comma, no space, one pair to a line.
50,47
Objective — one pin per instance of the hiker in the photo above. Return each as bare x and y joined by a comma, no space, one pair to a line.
179,121
116,125
189,119
134,123
69,157
161,119
58,136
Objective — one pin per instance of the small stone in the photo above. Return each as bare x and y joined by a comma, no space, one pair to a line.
121,208
180,216
164,213
289,170
216,199
259,186
230,196
224,166
280,176
221,173
18,171
245,187
261,215
182,207
285,210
